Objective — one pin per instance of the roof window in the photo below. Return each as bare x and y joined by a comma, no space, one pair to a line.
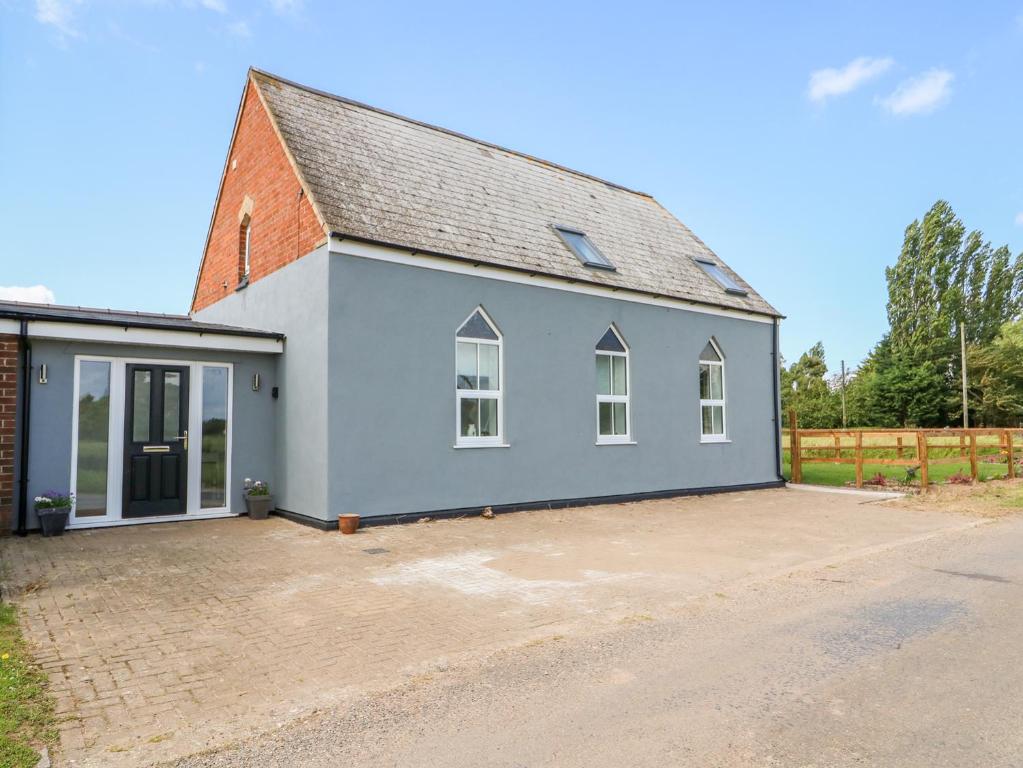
583,249
721,277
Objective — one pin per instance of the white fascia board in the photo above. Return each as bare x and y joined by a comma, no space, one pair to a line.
154,337
9,326
410,258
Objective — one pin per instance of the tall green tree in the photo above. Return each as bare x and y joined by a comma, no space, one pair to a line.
944,278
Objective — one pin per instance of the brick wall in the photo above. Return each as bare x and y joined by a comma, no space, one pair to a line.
8,416
284,226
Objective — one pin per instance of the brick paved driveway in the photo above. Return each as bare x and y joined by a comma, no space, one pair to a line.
161,640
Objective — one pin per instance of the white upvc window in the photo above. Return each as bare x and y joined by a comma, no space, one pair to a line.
479,371
712,394
614,417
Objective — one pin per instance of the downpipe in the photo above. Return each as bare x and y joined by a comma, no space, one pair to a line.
26,409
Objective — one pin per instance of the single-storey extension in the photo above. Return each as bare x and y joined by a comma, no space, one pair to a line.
396,320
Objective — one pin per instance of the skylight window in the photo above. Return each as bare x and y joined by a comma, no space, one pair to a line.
583,249
721,277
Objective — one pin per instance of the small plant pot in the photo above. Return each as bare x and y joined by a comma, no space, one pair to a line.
53,520
259,507
348,524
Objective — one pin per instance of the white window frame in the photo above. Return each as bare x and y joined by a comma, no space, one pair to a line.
720,362
248,253
496,441
625,439
115,444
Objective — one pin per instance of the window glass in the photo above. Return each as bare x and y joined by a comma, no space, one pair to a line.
477,327
709,353
213,480
583,249
140,406
93,438
488,417
470,417
465,371
603,374
619,419
619,385
489,375
721,277
605,417
171,405
713,419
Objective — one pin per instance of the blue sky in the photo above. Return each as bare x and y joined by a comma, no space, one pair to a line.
798,140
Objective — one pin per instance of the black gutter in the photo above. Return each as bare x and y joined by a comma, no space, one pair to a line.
541,273
26,407
130,323
775,373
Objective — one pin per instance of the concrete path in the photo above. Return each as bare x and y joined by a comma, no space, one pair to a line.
168,639
910,656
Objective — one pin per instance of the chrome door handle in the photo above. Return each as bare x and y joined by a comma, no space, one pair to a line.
183,438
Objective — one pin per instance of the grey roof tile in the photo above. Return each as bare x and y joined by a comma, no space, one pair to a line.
382,177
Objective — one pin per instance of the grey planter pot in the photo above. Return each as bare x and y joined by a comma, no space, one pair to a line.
259,506
53,520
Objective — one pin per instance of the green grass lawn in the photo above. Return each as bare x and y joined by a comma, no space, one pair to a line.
26,712
845,474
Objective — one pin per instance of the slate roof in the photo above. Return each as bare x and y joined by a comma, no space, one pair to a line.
20,310
385,178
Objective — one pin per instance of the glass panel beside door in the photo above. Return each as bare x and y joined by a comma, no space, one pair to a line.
93,442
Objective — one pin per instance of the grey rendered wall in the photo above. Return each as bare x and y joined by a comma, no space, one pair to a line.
293,301
392,395
252,450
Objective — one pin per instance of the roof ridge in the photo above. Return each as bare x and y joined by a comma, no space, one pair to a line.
362,105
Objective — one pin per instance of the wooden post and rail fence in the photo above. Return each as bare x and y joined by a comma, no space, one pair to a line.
919,448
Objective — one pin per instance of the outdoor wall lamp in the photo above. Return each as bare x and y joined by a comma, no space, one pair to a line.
42,373
255,382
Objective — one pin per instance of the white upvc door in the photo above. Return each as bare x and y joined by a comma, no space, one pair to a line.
96,511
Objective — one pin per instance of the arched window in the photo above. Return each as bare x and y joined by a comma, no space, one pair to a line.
244,250
479,412
614,421
712,393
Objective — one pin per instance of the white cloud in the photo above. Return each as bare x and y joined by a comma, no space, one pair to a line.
37,294
239,29
921,94
1019,219
59,14
214,5
825,83
285,7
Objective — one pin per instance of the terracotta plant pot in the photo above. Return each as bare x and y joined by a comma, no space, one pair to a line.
348,524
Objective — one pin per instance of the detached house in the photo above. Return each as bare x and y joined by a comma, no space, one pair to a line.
394,319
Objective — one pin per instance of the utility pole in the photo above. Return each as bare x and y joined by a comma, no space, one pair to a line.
843,395
962,345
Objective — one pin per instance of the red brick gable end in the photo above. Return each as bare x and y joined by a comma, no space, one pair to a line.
261,183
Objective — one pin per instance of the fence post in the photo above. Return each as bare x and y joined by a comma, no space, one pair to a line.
973,456
1012,459
962,445
921,454
794,458
838,446
859,459
898,447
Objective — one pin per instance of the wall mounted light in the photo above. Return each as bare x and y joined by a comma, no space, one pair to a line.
42,373
255,382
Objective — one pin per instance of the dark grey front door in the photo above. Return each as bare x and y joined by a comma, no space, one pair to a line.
155,440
